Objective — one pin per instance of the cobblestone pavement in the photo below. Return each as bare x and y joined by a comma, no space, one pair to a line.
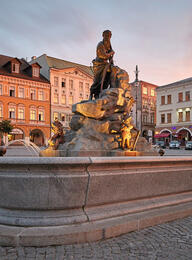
169,241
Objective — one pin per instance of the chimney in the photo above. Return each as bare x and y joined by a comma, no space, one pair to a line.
33,57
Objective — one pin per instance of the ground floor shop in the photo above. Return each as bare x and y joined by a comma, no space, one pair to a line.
39,135
181,134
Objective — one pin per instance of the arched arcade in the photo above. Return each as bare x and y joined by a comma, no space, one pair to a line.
37,136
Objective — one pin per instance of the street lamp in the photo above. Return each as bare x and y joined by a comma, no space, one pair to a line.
136,84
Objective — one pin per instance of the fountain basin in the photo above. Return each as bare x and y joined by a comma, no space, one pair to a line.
52,201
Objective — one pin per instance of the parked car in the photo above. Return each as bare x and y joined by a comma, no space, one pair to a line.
160,144
174,145
188,145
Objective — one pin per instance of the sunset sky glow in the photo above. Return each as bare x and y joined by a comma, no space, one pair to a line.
156,35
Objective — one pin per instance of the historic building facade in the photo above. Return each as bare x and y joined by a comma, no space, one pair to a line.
174,111
25,100
144,109
70,83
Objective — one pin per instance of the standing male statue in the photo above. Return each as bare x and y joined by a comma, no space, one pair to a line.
102,65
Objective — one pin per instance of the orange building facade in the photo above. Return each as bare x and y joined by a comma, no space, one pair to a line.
25,100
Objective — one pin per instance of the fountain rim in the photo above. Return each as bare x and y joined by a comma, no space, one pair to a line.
88,160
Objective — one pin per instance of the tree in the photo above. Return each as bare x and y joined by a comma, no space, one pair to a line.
5,128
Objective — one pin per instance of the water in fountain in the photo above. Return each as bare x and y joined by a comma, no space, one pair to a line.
28,145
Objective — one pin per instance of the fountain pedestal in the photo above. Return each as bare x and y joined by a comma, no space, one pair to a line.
54,201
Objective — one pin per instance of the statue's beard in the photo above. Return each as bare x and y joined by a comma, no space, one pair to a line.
107,44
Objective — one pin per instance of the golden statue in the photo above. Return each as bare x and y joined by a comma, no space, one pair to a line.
58,134
102,65
126,133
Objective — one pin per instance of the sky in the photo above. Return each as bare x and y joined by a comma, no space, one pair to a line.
156,35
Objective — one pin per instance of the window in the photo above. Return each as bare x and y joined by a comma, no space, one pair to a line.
55,116
70,100
21,93
1,111
41,95
169,118
145,103
80,86
162,100
152,92
32,114
187,116
152,118
11,112
1,89
187,96
144,119
62,117
20,113
87,87
63,83
36,72
145,90
180,116
12,91
70,84
68,117
162,118
15,67
180,97
41,116
33,94
56,81
56,98
168,99
63,99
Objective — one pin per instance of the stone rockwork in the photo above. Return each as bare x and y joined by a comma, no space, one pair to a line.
96,124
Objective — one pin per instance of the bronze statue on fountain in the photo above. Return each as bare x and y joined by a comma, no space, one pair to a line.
102,125
102,65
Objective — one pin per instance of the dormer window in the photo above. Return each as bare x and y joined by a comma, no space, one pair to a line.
35,72
15,67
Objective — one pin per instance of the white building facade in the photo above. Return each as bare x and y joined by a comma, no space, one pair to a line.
174,111
70,84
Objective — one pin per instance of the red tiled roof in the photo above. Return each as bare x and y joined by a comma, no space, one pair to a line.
24,73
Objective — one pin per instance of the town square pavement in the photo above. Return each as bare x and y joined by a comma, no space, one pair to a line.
168,241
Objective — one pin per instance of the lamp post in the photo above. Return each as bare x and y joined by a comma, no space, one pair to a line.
136,87
136,84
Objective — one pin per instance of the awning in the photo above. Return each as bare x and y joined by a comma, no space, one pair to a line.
16,131
162,135
175,134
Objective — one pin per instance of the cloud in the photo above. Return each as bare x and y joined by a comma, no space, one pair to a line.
156,35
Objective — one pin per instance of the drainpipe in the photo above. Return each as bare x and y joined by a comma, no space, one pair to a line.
50,103
141,88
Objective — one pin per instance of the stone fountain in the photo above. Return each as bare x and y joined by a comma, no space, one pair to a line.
81,194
